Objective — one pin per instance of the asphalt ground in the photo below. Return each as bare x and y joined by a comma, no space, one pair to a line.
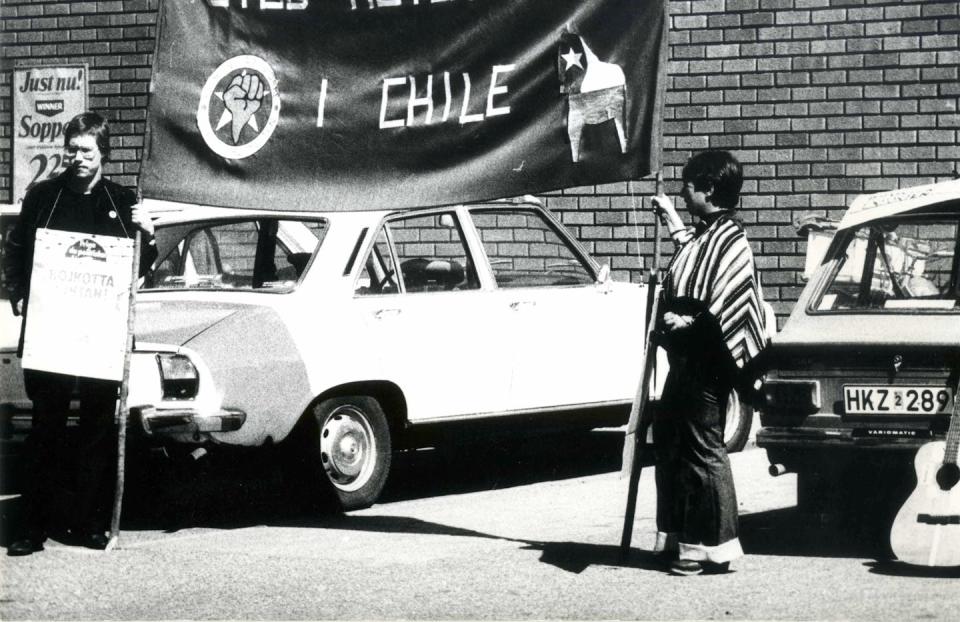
521,530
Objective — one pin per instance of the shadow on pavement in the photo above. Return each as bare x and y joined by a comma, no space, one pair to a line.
233,490
777,532
572,557
787,531
237,491
576,557
503,463
396,524
899,569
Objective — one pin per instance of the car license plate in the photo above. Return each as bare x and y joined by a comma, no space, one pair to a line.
896,400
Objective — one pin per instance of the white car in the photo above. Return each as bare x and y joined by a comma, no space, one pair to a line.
348,335
345,336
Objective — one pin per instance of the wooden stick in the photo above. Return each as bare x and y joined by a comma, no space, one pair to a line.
122,414
640,413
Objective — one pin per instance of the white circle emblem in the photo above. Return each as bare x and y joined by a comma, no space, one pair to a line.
252,83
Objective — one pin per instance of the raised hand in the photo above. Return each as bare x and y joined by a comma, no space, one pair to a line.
243,98
662,206
140,216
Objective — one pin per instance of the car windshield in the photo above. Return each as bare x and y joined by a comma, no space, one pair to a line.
266,254
903,264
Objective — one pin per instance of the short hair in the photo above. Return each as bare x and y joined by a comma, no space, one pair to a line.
89,123
718,170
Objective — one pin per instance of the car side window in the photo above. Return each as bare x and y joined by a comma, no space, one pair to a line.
432,254
203,253
525,250
246,254
378,275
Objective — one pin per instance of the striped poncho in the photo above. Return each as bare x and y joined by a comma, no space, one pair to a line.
716,268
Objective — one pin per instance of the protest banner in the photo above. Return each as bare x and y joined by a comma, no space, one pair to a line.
79,304
371,104
45,98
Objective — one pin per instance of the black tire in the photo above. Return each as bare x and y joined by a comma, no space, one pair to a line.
351,443
739,419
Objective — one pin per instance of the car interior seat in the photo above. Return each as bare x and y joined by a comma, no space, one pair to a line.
427,275
299,261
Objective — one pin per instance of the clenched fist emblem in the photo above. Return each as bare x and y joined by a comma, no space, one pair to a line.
242,92
243,99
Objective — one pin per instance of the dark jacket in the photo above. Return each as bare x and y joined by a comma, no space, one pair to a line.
51,204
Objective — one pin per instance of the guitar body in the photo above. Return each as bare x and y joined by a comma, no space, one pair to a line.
926,531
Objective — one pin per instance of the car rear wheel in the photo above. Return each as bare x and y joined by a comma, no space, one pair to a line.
352,442
736,428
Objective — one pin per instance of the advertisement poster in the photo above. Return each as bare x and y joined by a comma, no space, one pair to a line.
79,302
45,98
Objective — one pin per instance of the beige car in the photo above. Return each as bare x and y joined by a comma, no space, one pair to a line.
866,367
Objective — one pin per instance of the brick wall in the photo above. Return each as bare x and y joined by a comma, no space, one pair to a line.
820,99
116,38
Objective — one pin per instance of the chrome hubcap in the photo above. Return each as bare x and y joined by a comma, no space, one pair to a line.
347,448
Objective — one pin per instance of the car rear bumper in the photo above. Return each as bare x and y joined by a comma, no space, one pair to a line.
886,438
186,421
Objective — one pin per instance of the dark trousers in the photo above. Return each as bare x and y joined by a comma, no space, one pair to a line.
87,455
696,499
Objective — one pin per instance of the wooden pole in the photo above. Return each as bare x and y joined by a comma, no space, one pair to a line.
122,414
640,413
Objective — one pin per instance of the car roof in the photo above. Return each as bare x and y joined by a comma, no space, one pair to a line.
170,212
868,207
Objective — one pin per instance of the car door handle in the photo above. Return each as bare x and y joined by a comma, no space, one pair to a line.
385,313
522,304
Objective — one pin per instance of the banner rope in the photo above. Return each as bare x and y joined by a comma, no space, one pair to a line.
636,222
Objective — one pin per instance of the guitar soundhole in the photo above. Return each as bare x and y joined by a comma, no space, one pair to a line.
948,476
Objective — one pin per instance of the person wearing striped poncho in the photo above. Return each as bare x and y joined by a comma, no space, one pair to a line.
712,325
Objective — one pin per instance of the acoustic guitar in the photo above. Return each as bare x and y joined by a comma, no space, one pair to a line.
926,531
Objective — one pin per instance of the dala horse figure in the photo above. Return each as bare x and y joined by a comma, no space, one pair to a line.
596,90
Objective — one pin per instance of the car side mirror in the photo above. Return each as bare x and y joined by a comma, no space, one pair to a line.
446,221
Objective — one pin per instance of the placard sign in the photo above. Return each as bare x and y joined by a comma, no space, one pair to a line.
79,302
44,100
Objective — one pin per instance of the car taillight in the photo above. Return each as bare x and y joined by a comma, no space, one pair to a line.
178,377
793,395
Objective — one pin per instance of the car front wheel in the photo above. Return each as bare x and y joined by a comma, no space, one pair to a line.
352,442
736,427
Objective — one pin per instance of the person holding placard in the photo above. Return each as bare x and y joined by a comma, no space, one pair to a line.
80,200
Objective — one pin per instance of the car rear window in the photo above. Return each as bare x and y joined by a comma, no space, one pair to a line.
267,254
908,264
